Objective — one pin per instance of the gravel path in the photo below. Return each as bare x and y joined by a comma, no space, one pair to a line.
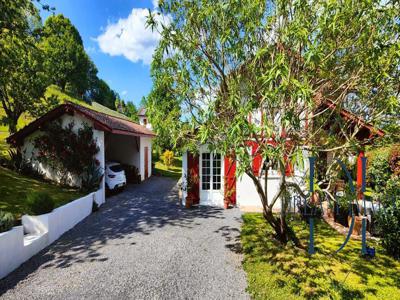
140,245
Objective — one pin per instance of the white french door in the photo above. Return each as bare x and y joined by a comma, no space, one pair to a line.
211,189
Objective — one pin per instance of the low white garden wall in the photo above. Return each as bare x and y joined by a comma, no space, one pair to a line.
37,232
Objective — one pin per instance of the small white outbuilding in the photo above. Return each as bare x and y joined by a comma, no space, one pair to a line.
118,139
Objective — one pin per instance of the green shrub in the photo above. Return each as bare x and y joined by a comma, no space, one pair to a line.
6,221
388,227
394,159
378,169
39,203
168,158
92,177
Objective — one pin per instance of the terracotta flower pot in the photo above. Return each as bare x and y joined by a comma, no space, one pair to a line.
189,202
357,225
226,204
329,213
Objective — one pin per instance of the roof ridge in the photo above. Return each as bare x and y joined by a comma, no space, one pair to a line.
108,115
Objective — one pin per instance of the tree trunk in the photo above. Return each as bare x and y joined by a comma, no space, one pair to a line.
283,232
12,124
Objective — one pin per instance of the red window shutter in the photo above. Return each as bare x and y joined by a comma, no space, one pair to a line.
230,179
193,170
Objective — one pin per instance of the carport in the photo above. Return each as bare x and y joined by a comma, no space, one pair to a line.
131,150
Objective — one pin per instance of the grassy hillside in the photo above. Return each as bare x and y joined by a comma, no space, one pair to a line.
23,120
62,98
14,188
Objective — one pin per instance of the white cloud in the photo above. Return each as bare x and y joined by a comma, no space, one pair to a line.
123,93
155,3
130,38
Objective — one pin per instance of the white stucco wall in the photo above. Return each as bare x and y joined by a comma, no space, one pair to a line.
30,152
141,122
184,176
123,148
100,195
246,192
145,142
40,232
248,198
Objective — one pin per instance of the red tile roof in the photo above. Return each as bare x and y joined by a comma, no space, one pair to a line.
100,120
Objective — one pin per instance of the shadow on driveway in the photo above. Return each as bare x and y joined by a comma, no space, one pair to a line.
140,209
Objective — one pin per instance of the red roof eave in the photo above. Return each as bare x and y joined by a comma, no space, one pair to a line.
356,119
68,108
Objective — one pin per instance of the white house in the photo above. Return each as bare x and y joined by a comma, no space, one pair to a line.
143,118
217,174
118,138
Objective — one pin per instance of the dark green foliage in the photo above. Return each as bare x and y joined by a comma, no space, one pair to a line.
67,151
6,221
100,92
309,211
67,64
378,169
388,227
92,177
16,161
22,79
128,109
39,203
394,159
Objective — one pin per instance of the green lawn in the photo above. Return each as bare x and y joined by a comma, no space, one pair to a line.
277,272
3,145
23,120
174,171
14,188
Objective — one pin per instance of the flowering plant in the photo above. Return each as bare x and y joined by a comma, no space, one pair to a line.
66,150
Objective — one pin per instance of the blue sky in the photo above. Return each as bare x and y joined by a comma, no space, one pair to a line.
114,37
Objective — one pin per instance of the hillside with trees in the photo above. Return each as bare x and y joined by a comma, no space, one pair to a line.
35,56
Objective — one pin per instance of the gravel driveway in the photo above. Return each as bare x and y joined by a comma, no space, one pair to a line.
140,245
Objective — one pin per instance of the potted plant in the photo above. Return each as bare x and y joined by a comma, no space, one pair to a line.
228,192
191,180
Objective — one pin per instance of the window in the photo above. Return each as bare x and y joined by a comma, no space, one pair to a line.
116,168
216,171
211,171
205,171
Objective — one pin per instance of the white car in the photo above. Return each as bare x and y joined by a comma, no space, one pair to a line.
115,176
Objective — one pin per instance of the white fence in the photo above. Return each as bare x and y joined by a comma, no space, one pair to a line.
37,232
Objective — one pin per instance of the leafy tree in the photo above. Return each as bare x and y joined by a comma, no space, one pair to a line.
222,62
67,63
131,111
164,114
100,92
128,109
22,79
